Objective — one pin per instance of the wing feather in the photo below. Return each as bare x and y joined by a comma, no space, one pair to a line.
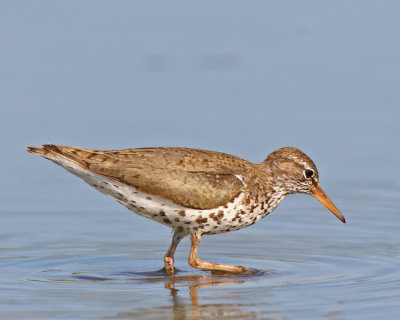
188,177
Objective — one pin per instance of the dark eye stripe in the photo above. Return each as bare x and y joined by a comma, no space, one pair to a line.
308,173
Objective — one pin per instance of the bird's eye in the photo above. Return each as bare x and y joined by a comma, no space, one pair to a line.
308,173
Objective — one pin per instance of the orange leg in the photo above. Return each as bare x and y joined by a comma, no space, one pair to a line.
195,261
169,256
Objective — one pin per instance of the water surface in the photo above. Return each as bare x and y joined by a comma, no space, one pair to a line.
98,264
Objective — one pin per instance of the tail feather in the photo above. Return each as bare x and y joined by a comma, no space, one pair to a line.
58,154
39,151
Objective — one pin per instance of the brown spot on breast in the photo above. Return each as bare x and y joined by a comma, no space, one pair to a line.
220,214
162,213
176,220
179,229
201,220
166,220
226,206
211,214
148,198
182,213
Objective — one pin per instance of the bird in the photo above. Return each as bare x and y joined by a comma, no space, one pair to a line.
193,191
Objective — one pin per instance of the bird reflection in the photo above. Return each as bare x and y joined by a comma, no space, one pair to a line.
196,310
181,309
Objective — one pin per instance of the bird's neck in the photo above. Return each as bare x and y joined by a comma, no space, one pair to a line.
276,178
264,188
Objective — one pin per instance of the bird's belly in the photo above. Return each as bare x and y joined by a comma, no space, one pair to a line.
239,213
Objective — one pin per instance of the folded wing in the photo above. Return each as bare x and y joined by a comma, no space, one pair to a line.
164,172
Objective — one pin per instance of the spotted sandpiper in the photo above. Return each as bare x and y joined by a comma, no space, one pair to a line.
195,192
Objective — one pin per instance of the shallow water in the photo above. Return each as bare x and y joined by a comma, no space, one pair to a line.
68,264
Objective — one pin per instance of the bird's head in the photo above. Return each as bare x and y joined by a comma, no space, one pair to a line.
294,172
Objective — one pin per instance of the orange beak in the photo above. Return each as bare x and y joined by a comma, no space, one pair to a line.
319,194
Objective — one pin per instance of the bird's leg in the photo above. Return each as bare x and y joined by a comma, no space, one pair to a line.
169,256
195,261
